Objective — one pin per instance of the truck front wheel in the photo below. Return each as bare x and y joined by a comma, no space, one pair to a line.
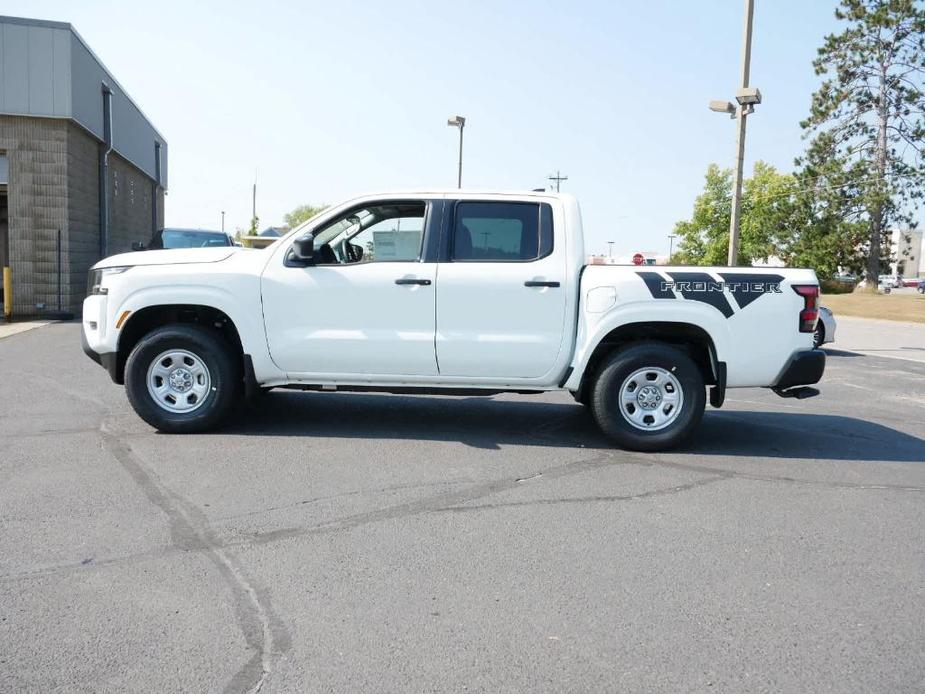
182,379
648,397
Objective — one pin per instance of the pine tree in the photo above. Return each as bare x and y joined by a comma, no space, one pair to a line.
867,119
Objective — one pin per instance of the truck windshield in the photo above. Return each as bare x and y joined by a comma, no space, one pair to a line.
183,238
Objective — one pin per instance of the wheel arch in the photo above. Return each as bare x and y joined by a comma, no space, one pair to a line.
693,339
142,321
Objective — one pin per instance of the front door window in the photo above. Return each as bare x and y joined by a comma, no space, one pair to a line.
377,233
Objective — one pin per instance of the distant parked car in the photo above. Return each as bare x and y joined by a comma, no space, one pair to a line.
921,288
892,281
825,327
884,284
185,238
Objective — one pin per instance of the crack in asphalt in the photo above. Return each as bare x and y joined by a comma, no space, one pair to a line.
341,495
263,631
454,500
451,502
589,499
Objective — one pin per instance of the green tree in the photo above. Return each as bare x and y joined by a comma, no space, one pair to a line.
769,215
830,231
868,119
301,214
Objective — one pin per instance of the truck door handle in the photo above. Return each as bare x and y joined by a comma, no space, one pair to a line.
536,283
409,280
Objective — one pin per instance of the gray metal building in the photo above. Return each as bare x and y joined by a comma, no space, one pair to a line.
79,161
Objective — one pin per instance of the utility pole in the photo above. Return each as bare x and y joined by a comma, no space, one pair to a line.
254,202
558,178
671,238
741,114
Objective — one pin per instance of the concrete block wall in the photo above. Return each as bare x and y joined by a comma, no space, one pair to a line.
83,210
54,184
131,195
130,201
37,152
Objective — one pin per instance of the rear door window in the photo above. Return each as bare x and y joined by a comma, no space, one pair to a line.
501,232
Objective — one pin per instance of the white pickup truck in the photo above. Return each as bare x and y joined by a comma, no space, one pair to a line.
447,292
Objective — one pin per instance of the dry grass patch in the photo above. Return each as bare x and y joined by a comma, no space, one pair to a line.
902,307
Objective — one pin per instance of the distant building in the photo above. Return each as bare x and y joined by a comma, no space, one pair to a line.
770,261
77,156
907,247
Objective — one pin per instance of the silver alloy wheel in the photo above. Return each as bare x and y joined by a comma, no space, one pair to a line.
651,398
179,381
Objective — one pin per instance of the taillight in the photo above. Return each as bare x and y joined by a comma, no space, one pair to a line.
810,312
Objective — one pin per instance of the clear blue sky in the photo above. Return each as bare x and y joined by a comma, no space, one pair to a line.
330,99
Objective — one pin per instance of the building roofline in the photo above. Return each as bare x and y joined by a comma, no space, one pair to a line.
28,21
50,24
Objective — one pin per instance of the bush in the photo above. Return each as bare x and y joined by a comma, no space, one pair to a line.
833,286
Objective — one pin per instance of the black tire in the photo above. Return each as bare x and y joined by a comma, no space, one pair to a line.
819,335
224,370
618,367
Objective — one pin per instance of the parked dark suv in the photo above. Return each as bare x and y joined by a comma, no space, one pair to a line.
185,238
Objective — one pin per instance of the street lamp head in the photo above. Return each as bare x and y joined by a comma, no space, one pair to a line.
456,121
748,96
720,106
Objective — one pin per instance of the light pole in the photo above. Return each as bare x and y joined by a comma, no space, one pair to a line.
458,122
671,238
747,98
610,249
223,221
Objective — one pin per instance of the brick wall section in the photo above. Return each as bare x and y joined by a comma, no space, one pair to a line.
130,215
83,210
130,201
37,152
54,184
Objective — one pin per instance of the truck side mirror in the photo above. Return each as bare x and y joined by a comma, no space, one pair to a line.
303,248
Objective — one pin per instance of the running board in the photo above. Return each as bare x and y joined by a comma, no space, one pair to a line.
800,392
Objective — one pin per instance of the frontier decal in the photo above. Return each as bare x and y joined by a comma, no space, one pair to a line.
745,287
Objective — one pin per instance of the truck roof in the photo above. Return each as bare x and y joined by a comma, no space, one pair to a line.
462,191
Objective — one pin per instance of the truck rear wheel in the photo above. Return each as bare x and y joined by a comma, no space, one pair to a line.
182,379
648,397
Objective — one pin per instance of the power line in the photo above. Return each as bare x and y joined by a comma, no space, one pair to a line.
558,178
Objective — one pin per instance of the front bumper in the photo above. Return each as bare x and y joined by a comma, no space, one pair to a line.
803,369
108,360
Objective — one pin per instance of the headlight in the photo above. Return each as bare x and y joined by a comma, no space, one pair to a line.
95,279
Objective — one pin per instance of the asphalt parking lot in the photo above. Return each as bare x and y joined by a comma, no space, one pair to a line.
337,542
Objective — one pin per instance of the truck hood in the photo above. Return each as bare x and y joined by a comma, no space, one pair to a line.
172,256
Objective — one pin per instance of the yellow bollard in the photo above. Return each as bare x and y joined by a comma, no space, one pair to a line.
8,293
